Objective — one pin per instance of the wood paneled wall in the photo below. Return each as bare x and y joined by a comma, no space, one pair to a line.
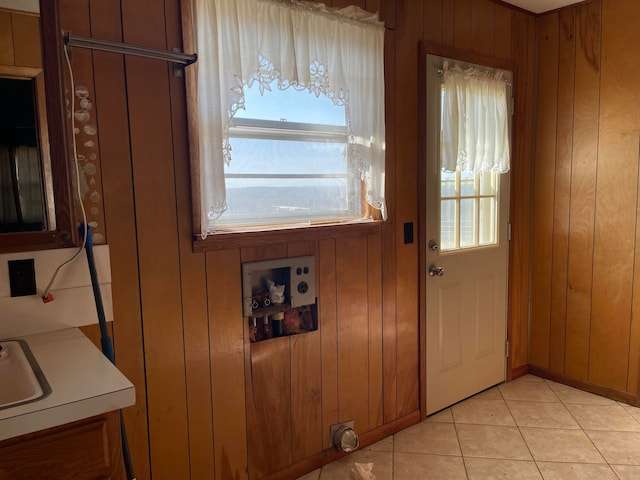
209,404
19,39
584,287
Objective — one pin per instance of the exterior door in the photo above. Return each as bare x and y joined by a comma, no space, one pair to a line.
466,279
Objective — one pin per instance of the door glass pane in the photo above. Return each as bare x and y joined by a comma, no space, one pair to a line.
488,221
469,204
467,222
448,224
447,184
467,184
489,183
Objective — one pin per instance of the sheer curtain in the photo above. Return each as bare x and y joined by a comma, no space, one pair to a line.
21,196
475,121
302,45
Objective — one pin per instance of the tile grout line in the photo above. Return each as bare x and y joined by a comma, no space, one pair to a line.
567,405
613,470
583,430
535,462
455,429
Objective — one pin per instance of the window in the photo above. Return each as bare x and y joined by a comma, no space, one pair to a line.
474,152
289,161
289,103
468,209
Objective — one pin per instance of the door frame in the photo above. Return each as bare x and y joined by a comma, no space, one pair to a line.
427,48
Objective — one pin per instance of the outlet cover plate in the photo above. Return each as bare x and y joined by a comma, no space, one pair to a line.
22,277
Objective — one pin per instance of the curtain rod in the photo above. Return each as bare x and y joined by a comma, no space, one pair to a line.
176,57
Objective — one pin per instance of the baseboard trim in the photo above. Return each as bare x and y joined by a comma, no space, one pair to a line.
520,371
608,392
326,456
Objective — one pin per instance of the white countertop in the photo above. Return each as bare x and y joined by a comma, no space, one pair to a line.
83,383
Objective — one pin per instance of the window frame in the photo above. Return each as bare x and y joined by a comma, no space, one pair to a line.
370,223
283,131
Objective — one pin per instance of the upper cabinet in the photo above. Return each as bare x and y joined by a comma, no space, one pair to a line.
35,196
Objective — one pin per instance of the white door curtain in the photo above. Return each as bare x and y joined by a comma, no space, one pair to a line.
475,120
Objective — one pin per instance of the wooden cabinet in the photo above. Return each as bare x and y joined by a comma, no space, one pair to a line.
85,450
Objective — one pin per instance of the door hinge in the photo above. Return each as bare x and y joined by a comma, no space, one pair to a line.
506,348
508,232
512,106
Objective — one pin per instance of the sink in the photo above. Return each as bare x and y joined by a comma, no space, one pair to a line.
21,379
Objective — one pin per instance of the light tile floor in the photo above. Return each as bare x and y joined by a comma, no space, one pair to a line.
526,429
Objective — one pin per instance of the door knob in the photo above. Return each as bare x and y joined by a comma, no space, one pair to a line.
435,271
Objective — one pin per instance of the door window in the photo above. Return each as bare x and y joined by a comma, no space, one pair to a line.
468,209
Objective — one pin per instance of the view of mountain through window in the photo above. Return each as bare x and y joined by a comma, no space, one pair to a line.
288,160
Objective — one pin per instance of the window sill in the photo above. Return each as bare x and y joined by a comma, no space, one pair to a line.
241,239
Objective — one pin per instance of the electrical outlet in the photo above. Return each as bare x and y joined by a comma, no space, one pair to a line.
22,277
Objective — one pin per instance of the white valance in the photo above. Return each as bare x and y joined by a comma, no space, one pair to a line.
475,116
338,53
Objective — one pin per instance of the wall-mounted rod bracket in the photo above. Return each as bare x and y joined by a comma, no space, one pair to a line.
180,60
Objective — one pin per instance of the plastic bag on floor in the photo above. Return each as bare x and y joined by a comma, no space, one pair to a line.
362,471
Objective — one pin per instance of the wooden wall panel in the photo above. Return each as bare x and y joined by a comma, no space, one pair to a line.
407,204
158,249
615,220
633,375
462,25
433,21
268,387
119,207
583,185
502,38
26,32
602,335
388,16
483,27
254,254
227,354
328,326
542,219
448,22
372,5
562,194
523,34
306,396
353,332
193,278
7,57
374,306
77,19
389,228
306,380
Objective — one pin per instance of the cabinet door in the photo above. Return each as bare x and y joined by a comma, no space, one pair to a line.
86,450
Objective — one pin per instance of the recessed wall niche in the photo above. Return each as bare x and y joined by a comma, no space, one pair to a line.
279,297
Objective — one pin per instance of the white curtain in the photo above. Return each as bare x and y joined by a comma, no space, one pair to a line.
28,183
303,45
475,121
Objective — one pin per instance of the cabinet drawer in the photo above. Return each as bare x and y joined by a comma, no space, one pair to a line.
85,450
